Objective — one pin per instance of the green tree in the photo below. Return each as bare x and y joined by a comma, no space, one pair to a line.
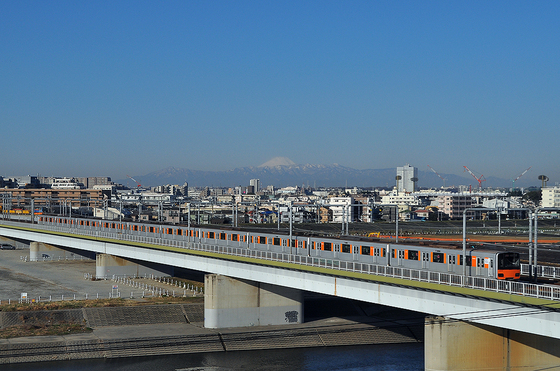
534,196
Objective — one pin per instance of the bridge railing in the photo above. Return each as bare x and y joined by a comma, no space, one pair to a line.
480,283
545,271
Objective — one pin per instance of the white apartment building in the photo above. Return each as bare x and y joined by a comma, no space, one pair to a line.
341,211
299,214
396,198
407,178
550,197
454,206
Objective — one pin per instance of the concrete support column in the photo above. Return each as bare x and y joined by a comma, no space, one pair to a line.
41,251
457,345
230,302
107,266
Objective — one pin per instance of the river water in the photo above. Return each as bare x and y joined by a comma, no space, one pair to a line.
386,357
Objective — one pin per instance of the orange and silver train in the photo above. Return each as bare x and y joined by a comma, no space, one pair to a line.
499,264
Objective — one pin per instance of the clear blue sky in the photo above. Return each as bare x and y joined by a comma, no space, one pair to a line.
109,88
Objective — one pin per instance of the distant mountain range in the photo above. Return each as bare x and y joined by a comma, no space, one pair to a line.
282,172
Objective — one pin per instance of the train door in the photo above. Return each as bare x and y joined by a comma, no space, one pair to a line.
356,252
336,250
479,265
425,260
451,262
400,256
489,265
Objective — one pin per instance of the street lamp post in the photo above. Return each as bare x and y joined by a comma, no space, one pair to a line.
397,224
536,243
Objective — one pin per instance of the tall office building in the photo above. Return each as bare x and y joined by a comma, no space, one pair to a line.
256,184
406,178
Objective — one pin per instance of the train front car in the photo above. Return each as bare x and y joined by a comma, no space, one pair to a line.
509,266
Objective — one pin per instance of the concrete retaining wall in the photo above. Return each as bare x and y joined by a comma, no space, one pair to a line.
89,346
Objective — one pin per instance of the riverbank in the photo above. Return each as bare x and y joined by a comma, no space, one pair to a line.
156,330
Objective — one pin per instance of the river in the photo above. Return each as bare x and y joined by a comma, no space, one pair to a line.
386,357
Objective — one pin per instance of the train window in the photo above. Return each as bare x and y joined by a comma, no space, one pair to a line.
151,229
365,250
293,243
234,237
345,248
393,253
412,255
261,240
313,245
210,234
327,246
179,232
303,244
169,231
222,236
276,241
438,257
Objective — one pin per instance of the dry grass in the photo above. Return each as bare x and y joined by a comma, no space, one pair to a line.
64,328
77,304
43,330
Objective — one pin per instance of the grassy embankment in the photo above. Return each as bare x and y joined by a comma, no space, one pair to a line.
62,328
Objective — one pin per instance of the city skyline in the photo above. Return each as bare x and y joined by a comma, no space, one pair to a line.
110,89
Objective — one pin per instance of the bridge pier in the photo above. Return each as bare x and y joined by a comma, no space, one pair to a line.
457,345
42,251
107,266
230,302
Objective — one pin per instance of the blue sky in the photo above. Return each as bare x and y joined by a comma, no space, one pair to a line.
99,88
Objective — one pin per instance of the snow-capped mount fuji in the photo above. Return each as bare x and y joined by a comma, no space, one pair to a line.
278,161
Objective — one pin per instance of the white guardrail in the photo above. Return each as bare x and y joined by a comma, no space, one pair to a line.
542,291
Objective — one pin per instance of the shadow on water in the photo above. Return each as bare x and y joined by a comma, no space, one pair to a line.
357,358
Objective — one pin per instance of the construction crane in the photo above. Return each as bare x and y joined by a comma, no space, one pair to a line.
479,180
514,180
442,178
135,181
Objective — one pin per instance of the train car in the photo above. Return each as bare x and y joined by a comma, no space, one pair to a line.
496,264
